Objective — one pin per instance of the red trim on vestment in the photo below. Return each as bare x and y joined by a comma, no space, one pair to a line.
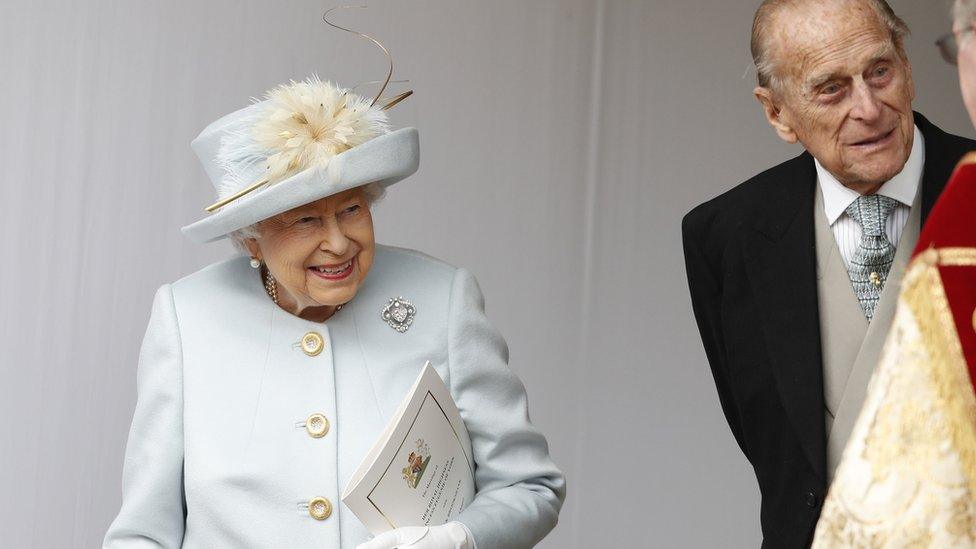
952,224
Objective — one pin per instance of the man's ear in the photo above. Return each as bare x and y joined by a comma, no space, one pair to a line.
774,114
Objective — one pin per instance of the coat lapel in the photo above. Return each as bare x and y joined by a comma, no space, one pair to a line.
781,261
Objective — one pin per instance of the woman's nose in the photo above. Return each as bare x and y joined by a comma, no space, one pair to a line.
334,241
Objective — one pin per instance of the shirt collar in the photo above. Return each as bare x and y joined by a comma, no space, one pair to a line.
903,187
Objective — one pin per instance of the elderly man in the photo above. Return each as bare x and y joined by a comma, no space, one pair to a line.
794,274
908,476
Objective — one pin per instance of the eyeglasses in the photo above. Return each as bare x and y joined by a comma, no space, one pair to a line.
949,44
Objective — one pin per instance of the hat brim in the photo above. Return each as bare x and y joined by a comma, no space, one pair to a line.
386,160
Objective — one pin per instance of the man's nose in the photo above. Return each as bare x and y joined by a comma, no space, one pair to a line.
867,108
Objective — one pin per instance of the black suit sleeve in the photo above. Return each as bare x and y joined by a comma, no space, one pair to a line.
706,300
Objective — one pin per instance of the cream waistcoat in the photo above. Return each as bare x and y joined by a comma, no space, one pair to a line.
850,346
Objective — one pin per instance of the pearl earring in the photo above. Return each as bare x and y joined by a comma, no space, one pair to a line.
255,263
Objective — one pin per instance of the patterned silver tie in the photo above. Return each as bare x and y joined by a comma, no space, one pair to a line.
871,263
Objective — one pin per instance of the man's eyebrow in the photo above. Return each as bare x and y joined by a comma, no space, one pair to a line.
821,79
883,53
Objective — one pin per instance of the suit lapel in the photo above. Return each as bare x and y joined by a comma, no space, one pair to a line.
781,261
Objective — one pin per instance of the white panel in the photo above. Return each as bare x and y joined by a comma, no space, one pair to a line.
562,142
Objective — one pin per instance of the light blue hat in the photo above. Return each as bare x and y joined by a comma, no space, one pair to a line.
305,141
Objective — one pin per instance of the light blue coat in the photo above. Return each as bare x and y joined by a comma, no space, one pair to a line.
218,455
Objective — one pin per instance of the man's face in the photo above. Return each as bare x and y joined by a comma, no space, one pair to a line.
967,68
846,92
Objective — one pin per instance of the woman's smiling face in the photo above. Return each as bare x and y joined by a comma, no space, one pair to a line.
319,253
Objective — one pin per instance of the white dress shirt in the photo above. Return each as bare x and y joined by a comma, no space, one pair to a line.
903,188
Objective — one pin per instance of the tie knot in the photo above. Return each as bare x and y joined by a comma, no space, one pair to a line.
871,212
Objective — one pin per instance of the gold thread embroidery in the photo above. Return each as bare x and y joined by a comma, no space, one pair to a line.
908,477
948,365
957,257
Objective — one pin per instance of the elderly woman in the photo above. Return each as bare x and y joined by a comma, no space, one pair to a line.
264,380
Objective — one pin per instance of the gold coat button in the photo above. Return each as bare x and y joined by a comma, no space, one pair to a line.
320,508
312,344
317,425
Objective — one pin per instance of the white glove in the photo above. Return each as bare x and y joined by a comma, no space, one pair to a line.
452,535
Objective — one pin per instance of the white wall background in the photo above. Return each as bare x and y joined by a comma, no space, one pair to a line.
562,142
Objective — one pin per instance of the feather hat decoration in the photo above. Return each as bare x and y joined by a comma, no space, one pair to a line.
301,142
298,126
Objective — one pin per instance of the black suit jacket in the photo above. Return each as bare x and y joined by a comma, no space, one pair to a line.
751,261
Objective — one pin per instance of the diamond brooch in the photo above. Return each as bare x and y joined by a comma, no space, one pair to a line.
399,314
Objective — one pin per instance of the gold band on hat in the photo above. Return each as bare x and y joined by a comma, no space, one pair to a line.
235,196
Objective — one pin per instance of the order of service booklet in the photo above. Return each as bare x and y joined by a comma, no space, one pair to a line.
419,472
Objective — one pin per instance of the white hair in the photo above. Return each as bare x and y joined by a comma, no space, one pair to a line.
374,193
964,12
765,15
